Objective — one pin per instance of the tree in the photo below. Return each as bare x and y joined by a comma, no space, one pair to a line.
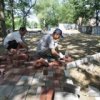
48,12
2,18
17,11
86,9
97,9
23,8
67,12
12,13
9,13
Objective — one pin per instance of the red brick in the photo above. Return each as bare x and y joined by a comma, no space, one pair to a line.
40,63
55,63
22,56
50,95
47,94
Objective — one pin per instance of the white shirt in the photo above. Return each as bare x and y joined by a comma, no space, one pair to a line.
12,36
47,42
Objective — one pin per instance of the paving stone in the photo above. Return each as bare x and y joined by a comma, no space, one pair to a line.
19,93
92,91
5,91
25,80
33,94
12,79
65,96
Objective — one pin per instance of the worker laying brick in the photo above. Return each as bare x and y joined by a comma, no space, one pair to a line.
48,46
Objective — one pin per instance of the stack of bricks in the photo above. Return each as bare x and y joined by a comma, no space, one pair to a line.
2,65
17,57
11,59
2,70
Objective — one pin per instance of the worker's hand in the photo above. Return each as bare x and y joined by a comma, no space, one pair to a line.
13,51
24,50
68,59
61,55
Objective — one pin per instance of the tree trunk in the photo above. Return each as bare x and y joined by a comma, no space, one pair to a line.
12,14
13,24
96,11
24,21
97,18
25,14
2,18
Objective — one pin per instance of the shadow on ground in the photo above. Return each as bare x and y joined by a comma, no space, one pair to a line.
78,46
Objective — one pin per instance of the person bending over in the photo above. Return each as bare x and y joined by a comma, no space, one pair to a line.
14,40
48,45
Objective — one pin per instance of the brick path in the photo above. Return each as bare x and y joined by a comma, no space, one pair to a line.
26,83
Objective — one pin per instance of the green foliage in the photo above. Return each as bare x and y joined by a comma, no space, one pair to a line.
50,12
8,23
18,21
67,11
47,11
21,8
32,25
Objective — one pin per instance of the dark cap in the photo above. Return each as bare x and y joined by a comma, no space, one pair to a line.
23,28
58,31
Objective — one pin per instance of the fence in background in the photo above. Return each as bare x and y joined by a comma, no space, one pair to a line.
90,30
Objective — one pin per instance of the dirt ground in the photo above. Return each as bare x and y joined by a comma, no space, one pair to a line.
78,45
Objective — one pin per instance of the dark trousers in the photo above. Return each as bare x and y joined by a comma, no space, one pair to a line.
12,45
47,54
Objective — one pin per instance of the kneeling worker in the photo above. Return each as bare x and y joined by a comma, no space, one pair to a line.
14,40
47,46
